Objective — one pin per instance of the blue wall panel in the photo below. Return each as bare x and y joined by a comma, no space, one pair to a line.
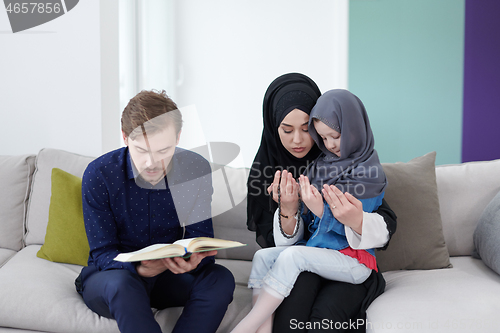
406,65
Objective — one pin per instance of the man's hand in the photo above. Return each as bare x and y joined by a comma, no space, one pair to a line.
177,265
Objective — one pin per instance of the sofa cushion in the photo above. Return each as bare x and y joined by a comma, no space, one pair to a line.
487,235
65,240
460,299
464,191
6,254
229,211
15,177
412,193
38,210
42,296
14,330
242,297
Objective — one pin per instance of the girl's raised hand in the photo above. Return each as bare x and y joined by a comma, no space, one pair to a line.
311,196
345,207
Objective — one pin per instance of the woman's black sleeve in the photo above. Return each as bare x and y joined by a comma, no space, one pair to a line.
261,219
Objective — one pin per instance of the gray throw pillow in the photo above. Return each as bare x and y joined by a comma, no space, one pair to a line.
487,235
412,194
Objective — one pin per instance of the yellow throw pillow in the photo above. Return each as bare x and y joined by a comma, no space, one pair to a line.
66,239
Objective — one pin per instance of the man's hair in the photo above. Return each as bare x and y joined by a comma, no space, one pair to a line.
150,112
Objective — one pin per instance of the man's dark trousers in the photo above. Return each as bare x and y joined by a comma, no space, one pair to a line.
205,294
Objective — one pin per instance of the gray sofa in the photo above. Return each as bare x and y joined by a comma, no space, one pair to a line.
38,295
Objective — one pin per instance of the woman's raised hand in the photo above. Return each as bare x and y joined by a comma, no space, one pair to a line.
345,207
289,192
311,196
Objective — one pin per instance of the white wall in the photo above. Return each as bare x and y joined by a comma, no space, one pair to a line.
216,58
228,52
50,91
225,55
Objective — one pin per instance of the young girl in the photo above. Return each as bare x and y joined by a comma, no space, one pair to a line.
339,125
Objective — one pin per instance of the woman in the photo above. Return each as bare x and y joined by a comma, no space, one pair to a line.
287,145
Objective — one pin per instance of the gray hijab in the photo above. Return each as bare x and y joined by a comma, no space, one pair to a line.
358,169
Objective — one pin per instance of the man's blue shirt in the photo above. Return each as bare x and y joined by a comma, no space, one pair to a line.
124,213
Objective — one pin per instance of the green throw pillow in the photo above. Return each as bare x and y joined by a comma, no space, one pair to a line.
65,240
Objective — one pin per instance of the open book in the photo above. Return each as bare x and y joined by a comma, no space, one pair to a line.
181,248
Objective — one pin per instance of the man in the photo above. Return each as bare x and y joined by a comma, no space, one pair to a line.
146,193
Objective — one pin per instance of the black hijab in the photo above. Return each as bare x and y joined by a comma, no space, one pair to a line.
286,93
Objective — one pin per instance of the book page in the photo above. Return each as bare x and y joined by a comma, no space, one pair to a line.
184,242
202,244
155,251
180,248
